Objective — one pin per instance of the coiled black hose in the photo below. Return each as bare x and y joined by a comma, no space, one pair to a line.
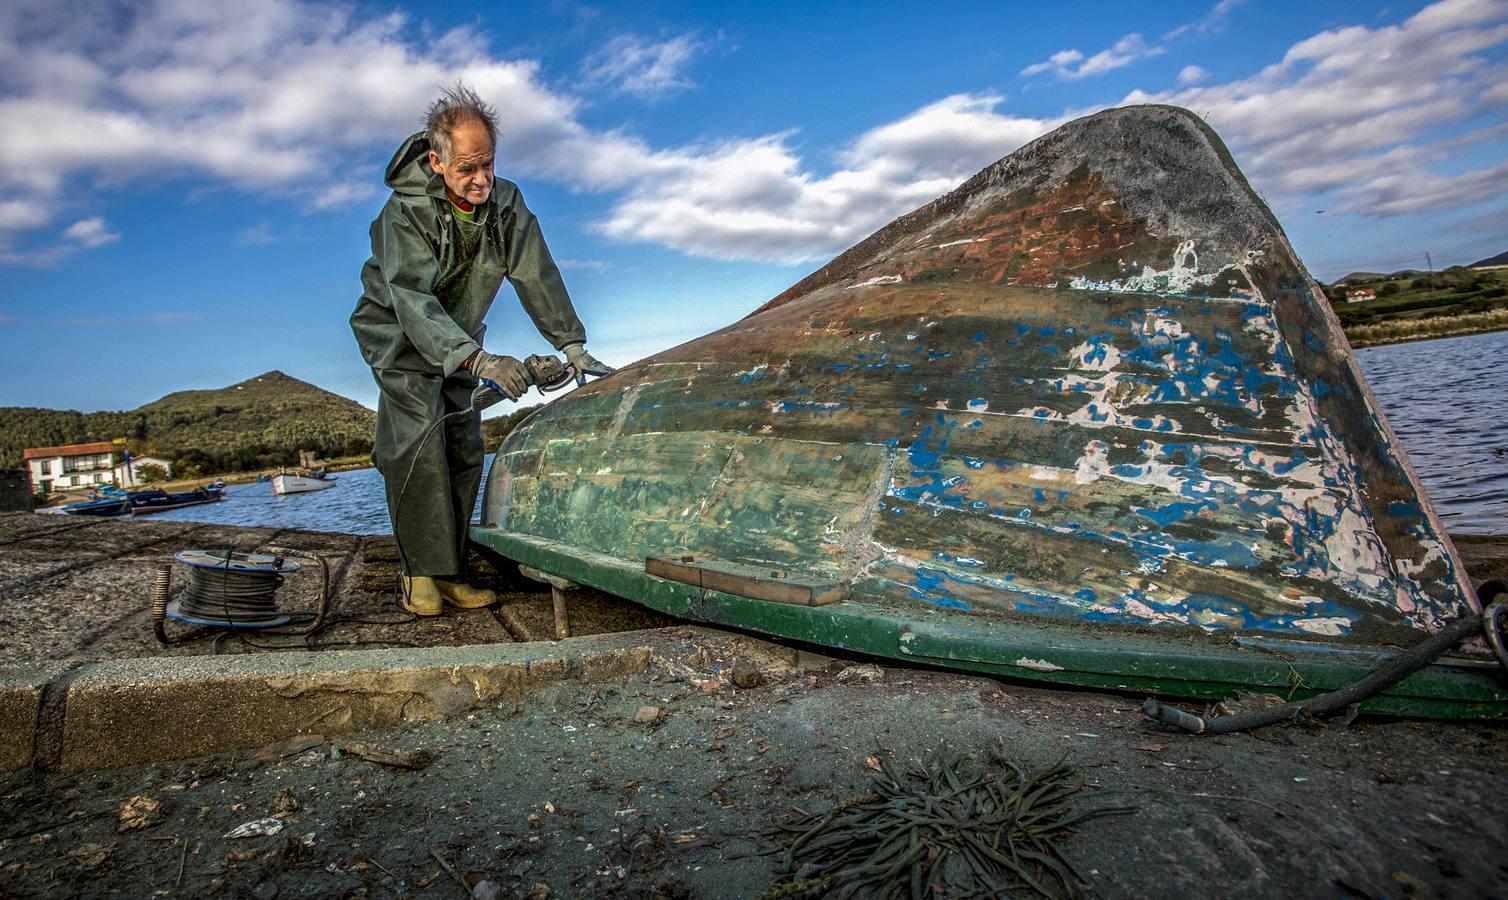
1485,623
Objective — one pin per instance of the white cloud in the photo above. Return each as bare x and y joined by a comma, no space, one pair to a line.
583,265
256,236
1365,112
1060,61
629,64
1210,22
1399,193
1192,75
16,215
90,232
1073,64
755,199
283,98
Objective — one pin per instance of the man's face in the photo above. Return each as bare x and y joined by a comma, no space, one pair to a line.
468,175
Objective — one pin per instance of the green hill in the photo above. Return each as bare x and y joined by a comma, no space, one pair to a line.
1358,278
261,422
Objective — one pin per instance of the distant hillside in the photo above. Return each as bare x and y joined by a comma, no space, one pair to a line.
1500,260
261,422
1356,278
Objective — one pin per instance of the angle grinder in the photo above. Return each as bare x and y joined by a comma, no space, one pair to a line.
547,373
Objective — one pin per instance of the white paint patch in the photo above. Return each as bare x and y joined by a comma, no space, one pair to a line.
1038,665
1107,357
878,279
1094,464
1330,627
1179,278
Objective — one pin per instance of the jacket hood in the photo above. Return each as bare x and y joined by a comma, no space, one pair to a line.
408,172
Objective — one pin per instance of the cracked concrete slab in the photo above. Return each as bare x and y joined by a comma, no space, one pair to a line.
125,712
21,695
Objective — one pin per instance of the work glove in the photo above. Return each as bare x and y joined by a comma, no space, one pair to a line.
503,374
584,362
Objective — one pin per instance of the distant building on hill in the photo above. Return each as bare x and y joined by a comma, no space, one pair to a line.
1360,294
70,466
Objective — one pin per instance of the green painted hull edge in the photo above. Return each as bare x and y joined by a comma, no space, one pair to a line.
1115,660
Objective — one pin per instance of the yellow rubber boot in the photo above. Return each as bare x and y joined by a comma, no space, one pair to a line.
421,597
464,596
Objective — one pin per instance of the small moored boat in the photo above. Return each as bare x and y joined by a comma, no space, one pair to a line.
301,481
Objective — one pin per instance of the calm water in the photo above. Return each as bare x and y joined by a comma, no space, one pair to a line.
1445,398
1448,401
356,505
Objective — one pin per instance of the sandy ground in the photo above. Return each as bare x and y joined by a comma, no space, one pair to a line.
566,793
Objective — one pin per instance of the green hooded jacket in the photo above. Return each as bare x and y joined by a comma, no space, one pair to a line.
424,295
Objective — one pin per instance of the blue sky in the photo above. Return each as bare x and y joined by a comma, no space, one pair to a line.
186,194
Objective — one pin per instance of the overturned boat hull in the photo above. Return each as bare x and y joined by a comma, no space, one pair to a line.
1086,419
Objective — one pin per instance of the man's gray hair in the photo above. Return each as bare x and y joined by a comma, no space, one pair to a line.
456,106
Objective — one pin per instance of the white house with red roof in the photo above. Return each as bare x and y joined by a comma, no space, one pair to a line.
70,467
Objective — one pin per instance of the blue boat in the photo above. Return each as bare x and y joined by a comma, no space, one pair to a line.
104,503
155,501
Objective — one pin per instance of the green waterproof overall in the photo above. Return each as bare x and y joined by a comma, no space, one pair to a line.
430,281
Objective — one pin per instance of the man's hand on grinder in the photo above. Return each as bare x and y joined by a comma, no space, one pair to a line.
584,362
503,373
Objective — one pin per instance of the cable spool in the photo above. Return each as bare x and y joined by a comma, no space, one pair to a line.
231,590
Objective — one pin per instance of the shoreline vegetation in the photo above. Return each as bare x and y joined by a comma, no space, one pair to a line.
1406,331
1410,305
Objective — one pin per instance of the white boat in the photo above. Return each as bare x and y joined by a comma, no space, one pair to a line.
302,481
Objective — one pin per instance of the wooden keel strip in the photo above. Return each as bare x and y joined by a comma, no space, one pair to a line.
774,585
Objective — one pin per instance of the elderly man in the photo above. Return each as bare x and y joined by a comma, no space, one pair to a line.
441,247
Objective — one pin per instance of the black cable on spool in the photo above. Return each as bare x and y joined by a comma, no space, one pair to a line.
235,597
231,594
232,590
